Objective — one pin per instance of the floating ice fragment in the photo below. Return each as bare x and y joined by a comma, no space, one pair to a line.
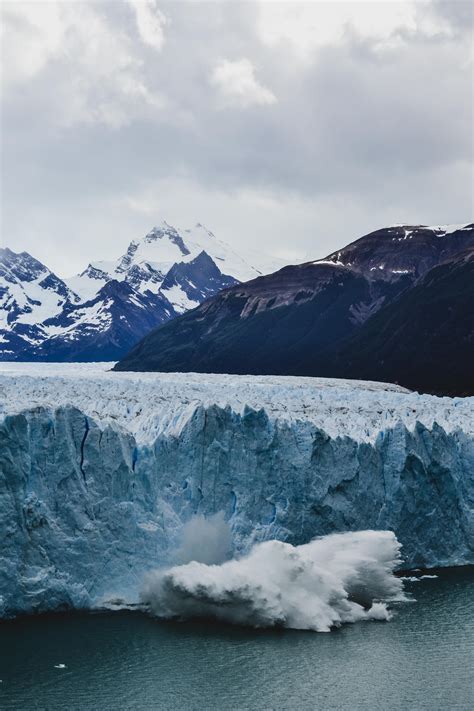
416,579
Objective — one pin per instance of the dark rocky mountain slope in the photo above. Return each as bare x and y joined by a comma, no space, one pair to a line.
424,339
310,319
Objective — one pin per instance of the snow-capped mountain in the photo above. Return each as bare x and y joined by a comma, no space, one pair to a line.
30,294
102,312
147,262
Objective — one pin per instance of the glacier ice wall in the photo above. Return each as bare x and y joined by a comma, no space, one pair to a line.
87,508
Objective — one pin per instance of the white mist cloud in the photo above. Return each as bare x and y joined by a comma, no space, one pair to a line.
150,22
31,34
335,579
238,86
205,540
306,27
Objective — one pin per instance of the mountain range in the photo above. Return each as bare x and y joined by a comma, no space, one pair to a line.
102,312
395,305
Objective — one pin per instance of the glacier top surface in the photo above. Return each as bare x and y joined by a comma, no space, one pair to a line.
148,404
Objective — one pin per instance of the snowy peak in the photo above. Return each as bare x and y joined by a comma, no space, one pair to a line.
161,247
127,259
156,252
15,268
166,231
22,269
29,291
90,281
147,261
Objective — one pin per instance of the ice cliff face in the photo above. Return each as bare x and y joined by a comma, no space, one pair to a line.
99,471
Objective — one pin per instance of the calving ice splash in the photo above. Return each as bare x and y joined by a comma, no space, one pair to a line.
332,580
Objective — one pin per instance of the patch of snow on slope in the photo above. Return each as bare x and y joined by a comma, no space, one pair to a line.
448,229
179,299
90,317
39,303
49,302
330,262
87,284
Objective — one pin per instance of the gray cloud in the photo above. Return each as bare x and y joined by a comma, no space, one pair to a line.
108,127
459,13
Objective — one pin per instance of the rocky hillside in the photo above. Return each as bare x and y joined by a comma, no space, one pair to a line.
330,317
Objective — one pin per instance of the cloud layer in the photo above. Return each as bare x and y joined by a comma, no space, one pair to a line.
291,127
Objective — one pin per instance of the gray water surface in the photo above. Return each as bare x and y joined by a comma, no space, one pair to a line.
422,659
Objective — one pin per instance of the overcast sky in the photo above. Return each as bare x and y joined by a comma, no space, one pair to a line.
294,128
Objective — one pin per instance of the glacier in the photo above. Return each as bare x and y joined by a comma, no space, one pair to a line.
101,470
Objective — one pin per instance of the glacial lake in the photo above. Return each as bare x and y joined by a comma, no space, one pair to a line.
422,659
